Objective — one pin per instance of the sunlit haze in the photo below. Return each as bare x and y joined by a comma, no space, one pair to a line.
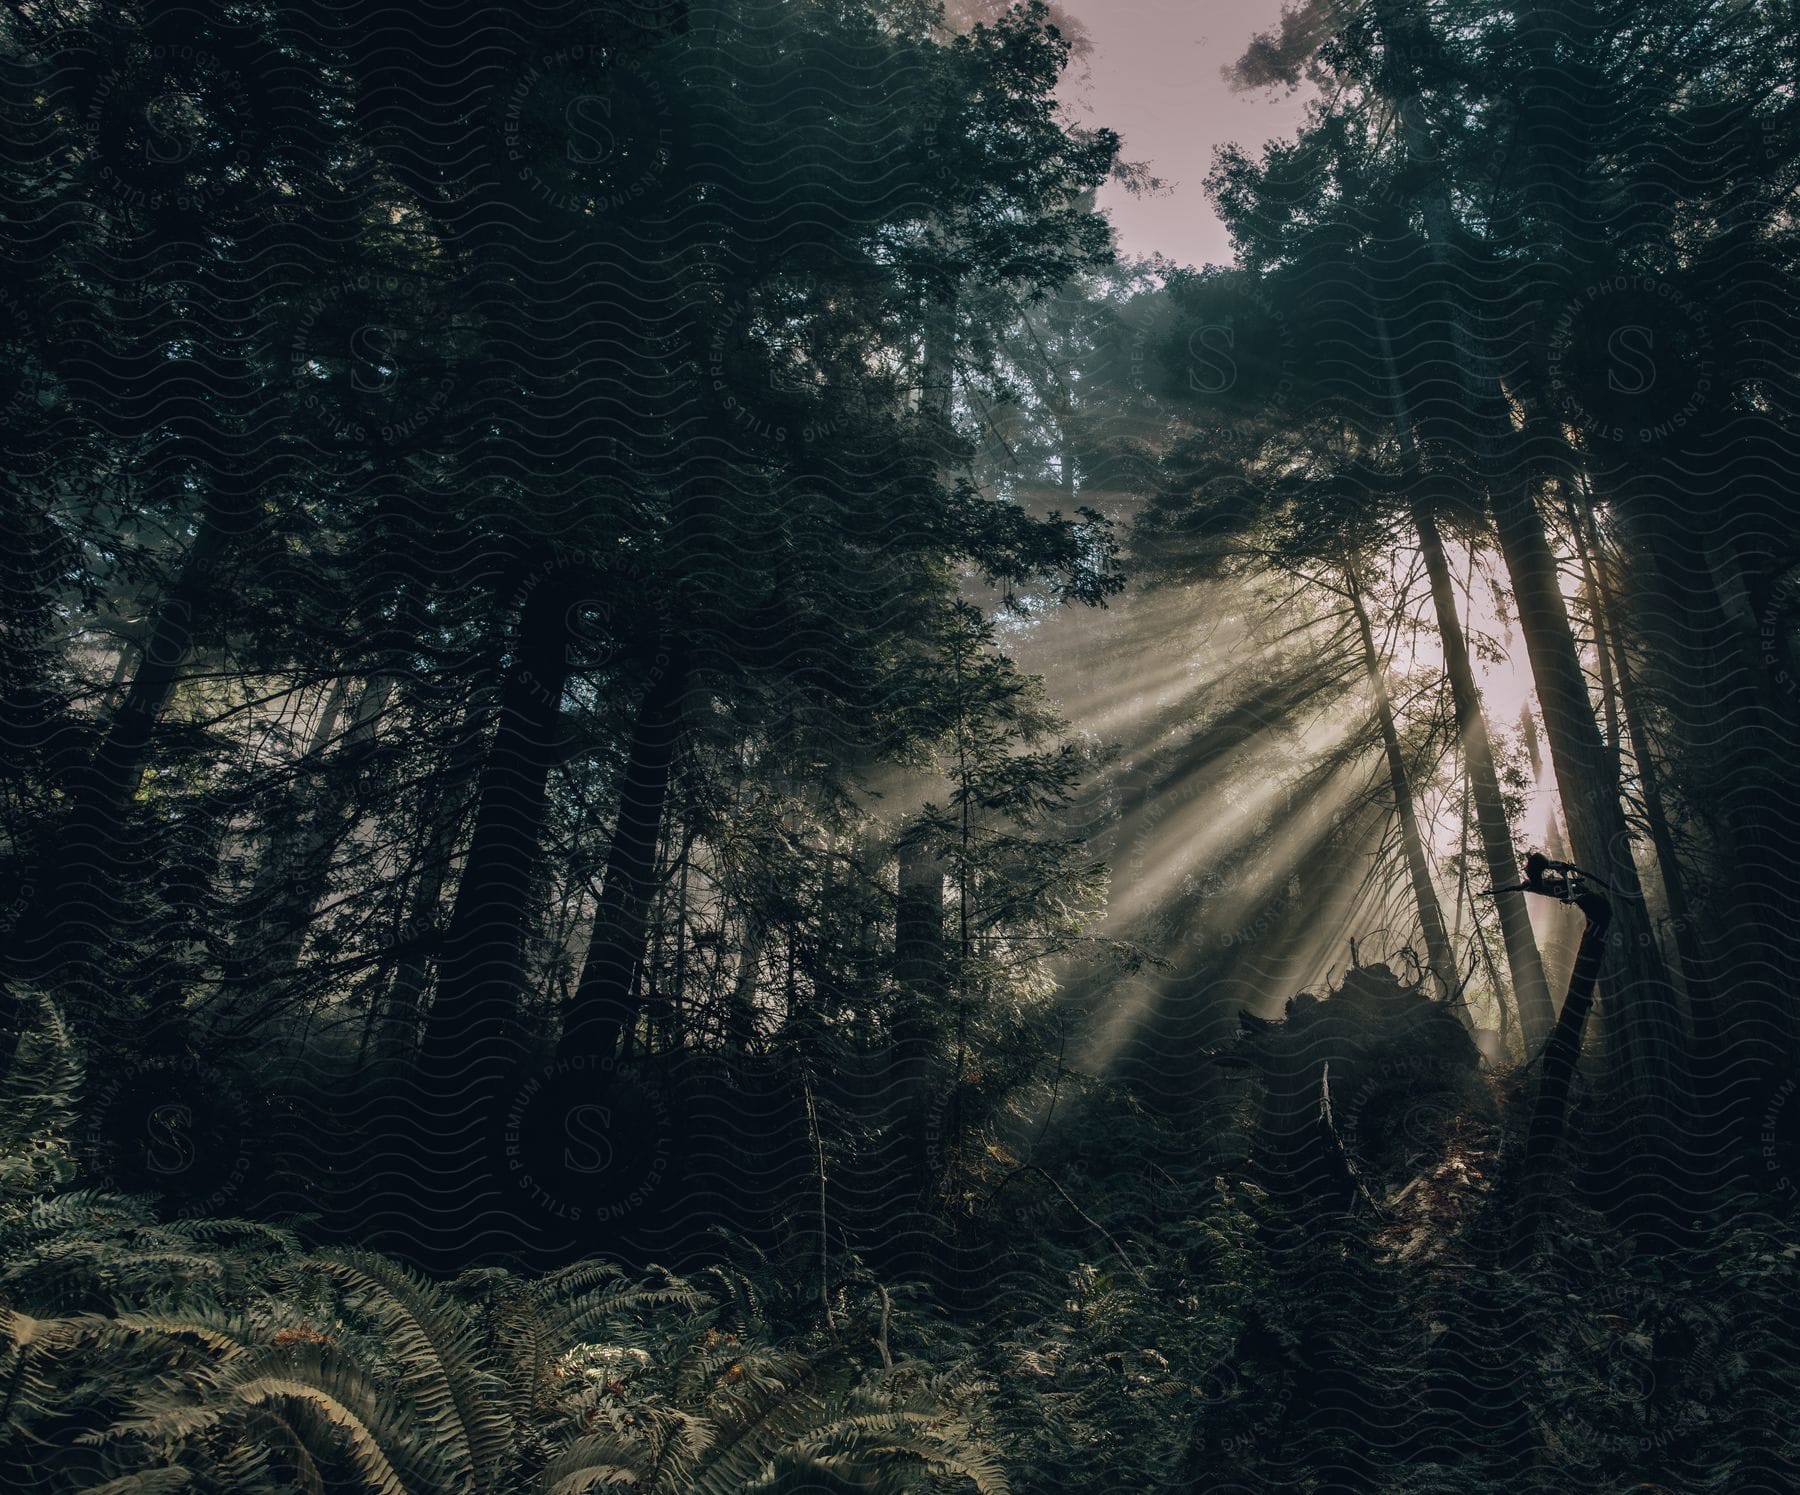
1153,70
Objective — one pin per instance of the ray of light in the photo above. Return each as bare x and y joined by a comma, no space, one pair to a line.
1122,710
1232,921
1208,813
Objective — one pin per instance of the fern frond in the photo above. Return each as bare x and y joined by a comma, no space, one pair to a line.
743,1294
371,1460
439,1352
659,1453
225,1338
598,1469
324,1397
523,1341
30,1343
91,1210
572,1315
271,1430
898,1441
578,1277
760,1402
37,1103
22,1331
145,1482
239,1234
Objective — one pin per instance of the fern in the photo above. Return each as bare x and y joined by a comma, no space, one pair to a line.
29,1392
582,1299
37,1108
734,1411
438,1348
331,1407
145,1482
139,1355
658,1452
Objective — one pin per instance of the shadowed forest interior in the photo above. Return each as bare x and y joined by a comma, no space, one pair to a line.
695,796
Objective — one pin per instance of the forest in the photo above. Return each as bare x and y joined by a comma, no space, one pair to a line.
695,797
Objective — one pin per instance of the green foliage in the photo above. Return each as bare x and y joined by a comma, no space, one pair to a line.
1164,1325
37,1106
222,1355
1115,1384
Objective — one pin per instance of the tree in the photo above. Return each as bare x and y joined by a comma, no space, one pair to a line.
1440,958
1334,478
161,371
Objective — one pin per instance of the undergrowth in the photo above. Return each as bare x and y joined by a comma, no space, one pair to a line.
1161,1325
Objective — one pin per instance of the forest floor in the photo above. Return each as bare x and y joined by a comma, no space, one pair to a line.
1141,1306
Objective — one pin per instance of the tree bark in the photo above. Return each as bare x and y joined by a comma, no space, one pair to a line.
444,820
1412,844
289,878
919,971
740,1014
1741,767
472,1034
1590,798
78,908
1561,1054
1690,945
1524,964
1643,1013
605,1005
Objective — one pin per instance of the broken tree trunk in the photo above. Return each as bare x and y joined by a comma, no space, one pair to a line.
1549,1116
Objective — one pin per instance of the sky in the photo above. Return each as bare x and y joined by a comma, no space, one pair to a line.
1152,71
1153,75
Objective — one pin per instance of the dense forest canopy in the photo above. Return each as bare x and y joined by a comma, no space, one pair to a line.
695,797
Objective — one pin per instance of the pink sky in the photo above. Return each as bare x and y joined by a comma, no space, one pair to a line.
1153,75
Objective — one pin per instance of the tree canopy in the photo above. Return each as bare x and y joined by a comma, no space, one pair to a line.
694,796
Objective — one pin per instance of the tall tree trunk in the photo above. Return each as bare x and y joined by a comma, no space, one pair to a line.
1742,773
446,811
1641,1002
472,1034
1524,964
740,1014
919,971
1690,944
1561,1054
605,1005
78,907
1590,798
1507,1012
1639,995
1614,735
1556,940
679,978
1412,845
919,948
1523,961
